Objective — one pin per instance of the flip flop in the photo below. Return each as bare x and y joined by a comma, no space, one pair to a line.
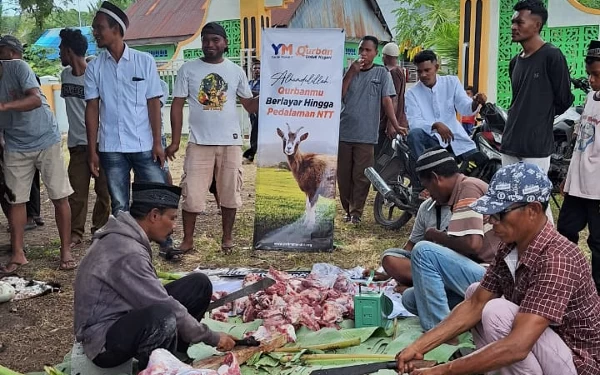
4,272
227,248
67,265
173,253
75,243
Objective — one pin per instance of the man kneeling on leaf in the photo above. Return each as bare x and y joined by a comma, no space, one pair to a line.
122,310
549,319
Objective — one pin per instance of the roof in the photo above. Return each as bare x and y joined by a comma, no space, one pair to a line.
358,18
150,19
282,16
50,40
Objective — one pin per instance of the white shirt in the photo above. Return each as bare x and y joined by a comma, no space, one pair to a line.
124,89
211,91
425,106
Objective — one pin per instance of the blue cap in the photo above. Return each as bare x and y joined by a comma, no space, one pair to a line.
515,183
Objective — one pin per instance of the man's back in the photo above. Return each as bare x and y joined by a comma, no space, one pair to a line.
33,130
540,91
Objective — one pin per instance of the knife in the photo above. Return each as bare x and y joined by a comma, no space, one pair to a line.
252,288
247,341
368,368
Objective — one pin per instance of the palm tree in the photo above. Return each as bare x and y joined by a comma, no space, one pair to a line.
430,24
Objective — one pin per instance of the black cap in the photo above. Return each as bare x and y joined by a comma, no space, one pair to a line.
594,49
115,13
12,42
213,28
156,194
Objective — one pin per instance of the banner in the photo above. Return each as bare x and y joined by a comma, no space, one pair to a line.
299,117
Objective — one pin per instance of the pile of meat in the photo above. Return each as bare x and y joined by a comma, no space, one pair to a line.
292,300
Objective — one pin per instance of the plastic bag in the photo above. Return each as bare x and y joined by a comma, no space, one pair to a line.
162,362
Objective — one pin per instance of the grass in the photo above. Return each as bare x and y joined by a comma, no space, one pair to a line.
280,202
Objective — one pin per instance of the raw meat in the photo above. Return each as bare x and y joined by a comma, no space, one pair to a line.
296,301
162,362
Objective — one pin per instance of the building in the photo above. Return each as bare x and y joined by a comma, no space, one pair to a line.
486,47
170,30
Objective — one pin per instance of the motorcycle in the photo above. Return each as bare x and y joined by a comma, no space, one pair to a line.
488,137
394,177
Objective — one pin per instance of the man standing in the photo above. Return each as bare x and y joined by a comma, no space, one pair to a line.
32,141
11,48
122,114
211,85
73,47
255,88
581,205
390,54
366,89
536,310
540,89
431,107
142,315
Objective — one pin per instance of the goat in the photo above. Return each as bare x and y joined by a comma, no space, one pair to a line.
314,173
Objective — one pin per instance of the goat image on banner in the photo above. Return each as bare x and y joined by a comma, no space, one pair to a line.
298,131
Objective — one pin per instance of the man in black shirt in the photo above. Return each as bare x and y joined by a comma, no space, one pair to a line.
541,89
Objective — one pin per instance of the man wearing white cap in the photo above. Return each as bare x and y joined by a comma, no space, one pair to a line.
390,60
122,116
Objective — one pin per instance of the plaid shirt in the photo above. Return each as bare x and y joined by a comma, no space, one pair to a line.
554,280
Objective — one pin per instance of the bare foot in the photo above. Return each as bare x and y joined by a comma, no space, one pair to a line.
67,265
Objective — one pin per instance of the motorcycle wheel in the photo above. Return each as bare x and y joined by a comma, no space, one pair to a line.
383,211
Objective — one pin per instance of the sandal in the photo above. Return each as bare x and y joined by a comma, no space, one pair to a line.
75,243
227,248
4,272
172,253
68,265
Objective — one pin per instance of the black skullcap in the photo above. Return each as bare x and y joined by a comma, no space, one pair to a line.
213,28
433,158
115,13
155,195
594,49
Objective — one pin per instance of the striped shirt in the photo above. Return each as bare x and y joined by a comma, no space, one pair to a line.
465,221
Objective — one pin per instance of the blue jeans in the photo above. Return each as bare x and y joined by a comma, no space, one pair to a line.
419,140
441,277
117,167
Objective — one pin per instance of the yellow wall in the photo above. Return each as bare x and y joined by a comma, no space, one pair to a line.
484,46
256,9
48,92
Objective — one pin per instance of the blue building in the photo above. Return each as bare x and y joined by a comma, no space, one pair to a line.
50,40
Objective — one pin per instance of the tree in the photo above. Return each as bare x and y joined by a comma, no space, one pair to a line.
36,58
39,9
431,24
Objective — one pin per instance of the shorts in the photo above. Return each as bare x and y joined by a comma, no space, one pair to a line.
19,168
396,253
201,162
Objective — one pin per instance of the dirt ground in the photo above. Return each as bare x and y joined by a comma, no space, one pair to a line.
39,331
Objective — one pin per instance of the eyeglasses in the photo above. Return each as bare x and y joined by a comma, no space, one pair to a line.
499,216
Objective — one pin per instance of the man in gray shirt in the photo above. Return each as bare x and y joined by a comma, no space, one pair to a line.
365,90
73,47
32,141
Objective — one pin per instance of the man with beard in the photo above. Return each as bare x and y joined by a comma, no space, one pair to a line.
210,85
121,309
73,47
122,114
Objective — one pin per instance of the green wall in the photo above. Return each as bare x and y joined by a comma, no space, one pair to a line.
159,51
573,42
